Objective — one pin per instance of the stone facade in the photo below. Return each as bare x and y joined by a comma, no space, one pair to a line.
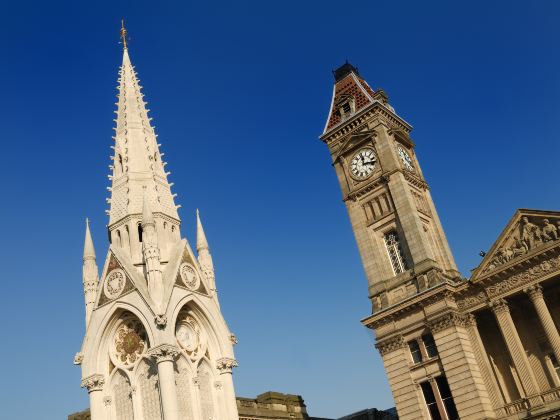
479,348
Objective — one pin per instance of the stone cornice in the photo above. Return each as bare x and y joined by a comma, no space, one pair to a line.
226,364
450,319
377,108
164,353
390,344
93,382
445,290
137,216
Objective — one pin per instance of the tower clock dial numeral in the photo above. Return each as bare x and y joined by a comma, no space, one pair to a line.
363,163
406,159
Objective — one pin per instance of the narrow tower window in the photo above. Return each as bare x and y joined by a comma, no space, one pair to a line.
120,167
139,232
395,252
119,239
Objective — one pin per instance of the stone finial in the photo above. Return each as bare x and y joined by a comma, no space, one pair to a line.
89,250
201,242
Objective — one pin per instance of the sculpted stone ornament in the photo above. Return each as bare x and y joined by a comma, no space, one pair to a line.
107,400
530,237
78,358
189,276
164,353
93,383
114,283
226,365
391,344
233,339
161,321
130,342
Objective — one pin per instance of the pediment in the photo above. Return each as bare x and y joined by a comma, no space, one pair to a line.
527,232
119,278
182,263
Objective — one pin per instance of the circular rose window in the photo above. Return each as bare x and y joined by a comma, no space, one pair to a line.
189,276
130,342
114,283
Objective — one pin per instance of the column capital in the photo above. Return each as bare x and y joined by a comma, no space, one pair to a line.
226,364
451,319
164,353
390,344
499,306
93,382
534,291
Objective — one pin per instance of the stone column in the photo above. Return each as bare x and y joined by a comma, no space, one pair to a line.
536,295
225,366
107,401
94,384
515,347
164,355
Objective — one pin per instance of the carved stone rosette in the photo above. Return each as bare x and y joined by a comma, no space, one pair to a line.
164,353
390,344
452,319
226,364
93,382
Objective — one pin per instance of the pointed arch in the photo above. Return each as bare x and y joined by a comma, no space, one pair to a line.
184,379
205,375
122,396
147,380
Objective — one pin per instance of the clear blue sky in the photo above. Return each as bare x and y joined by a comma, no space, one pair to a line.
239,92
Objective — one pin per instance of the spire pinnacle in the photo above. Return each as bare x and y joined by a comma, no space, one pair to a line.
201,242
89,251
123,35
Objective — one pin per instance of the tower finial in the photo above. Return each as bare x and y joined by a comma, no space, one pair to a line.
123,34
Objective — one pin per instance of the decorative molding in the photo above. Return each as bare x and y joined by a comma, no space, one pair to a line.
527,276
226,364
107,400
78,358
161,321
390,344
164,353
448,320
499,306
473,300
534,291
93,382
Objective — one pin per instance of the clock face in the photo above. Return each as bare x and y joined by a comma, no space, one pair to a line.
363,163
406,159
187,337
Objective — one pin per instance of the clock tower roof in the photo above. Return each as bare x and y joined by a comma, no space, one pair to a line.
351,93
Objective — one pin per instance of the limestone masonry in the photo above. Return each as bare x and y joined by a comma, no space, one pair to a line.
486,347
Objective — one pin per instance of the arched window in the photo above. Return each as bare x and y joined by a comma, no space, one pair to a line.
148,382
395,252
140,232
120,165
119,239
122,392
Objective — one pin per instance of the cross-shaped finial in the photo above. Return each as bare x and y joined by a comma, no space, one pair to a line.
123,34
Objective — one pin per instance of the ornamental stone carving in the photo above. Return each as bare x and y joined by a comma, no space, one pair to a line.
161,321
534,292
526,276
189,276
226,364
530,235
130,342
233,339
107,400
470,301
93,383
452,319
164,353
114,283
78,358
390,344
499,306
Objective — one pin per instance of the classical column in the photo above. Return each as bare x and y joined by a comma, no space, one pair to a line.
514,346
225,365
94,385
536,295
164,355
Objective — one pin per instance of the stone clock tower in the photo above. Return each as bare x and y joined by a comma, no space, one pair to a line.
399,235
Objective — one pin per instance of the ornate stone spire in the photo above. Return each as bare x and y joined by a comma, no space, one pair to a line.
90,273
204,256
137,165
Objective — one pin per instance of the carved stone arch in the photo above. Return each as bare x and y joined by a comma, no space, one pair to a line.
214,326
121,391
208,401
186,395
110,324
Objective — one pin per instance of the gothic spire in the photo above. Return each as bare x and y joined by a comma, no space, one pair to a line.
89,250
201,242
90,273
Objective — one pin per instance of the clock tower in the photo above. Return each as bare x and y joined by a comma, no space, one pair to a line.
399,235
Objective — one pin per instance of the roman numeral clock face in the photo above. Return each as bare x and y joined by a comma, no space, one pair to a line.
363,164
